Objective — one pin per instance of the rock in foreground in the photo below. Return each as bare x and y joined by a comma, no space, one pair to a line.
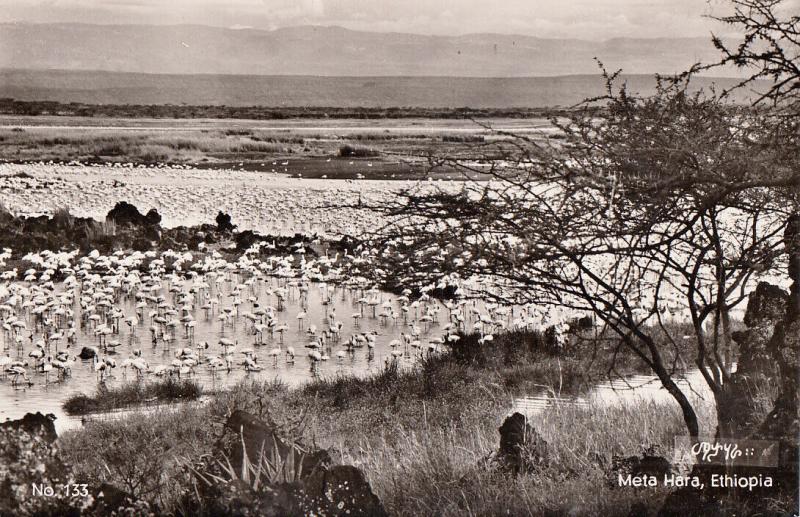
35,423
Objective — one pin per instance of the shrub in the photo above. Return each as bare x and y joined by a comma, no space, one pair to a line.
112,149
141,454
27,460
347,151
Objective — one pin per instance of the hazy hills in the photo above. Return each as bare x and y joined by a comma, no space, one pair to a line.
330,51
322,66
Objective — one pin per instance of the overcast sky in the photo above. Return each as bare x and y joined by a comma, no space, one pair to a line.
586,19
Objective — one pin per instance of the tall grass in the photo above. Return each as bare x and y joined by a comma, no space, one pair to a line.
425,437
432,470
63,218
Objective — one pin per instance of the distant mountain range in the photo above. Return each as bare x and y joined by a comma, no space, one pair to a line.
331,51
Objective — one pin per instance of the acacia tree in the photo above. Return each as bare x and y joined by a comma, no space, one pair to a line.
654,214
769,50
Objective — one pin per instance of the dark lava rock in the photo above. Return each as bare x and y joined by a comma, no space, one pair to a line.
766,307
34,423
109,499
125,213
522,449
238,499
153,217
317,489
339,491
737,408
647,465
254,436
224,223
87,353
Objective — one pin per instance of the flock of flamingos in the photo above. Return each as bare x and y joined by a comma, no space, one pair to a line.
153,314
70,320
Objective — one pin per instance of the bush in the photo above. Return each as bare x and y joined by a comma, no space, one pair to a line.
348,151
28,461
141,454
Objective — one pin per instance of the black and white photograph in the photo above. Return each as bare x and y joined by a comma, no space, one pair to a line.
407,258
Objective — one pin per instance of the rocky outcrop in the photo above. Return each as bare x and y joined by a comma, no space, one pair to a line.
522,449
224,223
649,464
737,408
766,307
254,436
340,490
35,423
315,487
125,213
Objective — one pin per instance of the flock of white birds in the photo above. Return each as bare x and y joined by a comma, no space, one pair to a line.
272,204
70,321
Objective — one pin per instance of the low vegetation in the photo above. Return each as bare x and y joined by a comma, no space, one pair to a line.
10,106
232,145
354,151
132,394
425,437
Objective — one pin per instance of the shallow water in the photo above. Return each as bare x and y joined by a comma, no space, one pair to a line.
635,389
48,394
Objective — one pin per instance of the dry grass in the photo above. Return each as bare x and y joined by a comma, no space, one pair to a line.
138,146
425,438
219,144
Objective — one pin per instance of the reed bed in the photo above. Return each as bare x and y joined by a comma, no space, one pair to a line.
131,394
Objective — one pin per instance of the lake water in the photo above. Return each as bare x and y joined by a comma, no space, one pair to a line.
321,304
630,390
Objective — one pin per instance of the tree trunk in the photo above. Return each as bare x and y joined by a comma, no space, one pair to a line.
689,416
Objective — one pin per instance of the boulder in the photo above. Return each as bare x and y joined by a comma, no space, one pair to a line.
766,307
224,223
522,449
254,435
342,490
758,364
35,423
87,352
649,464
